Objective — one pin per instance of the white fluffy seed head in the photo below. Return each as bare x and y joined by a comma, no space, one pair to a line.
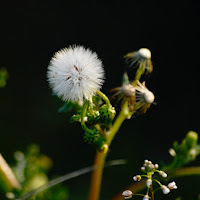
144,52
75,73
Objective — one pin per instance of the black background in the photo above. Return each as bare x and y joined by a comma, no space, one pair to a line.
32,31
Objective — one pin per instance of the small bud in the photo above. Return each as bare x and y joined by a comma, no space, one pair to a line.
156,166
172,152
165,189
127,194
146,197
163,174
137,178
146,162
142,169
148,182
191,139
172,185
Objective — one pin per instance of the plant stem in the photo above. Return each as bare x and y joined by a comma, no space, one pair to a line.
151,192
104,97
101,155
8,176
118,122
97,175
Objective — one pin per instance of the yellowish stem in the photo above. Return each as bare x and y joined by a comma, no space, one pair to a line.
8,175
101,155
97,175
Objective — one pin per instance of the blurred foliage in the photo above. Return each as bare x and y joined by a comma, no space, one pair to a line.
184,152
3,77
31,168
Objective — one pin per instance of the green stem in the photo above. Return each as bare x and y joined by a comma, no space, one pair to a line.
83,114
104,97
118,122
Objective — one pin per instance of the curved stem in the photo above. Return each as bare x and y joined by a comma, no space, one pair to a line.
104,97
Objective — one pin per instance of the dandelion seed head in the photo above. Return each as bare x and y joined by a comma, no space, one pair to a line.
75,73
144,52
144,96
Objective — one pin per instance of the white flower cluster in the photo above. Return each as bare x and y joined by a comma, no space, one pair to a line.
75,73
149,168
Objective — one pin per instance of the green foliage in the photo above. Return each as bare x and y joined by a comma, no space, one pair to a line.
92,136
3,77
31,170
185,152
107,114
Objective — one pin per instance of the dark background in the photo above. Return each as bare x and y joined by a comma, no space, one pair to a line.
32,31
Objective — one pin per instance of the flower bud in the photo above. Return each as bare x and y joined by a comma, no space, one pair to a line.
148,182
137,178
165,189
127,194
172,185
146,197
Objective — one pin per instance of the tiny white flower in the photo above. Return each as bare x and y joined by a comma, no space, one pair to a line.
156,166
172,185
142,169
172,152
142,57
146,197
127,194
148,182
75,73
163,174
165,189
137,178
